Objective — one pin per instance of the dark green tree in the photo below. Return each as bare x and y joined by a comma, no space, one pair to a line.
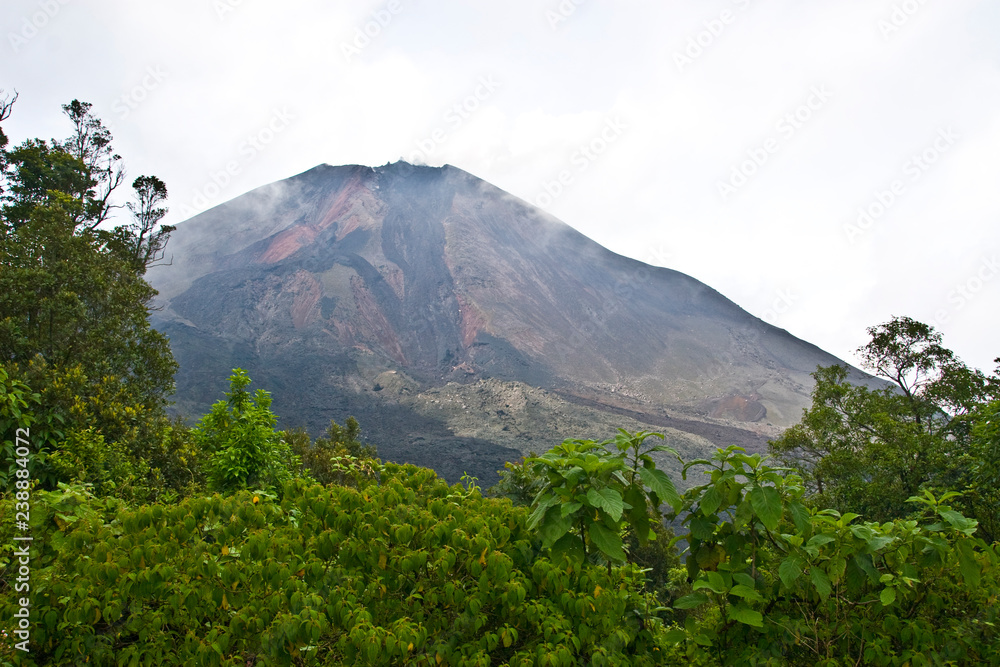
140,241
867,450
981,497
328,460
6,106
74,307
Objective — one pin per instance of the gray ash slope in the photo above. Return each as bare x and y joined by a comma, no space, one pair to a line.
460,325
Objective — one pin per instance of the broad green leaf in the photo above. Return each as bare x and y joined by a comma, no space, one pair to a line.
746,593
714,582
865,564
888,596
608,541
800,515
746,616
691,601
954,518
821,581
570,546
701,528
835,569
789,570
675,636
862,532
744,579
636,497
658,481
569,508
608,500
820,540
542,504
710,501
879,542
958,521
967,564
766,503
553,527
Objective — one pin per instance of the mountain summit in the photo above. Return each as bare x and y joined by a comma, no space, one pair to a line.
461,326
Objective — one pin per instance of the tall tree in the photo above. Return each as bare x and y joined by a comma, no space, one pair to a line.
73,304
84,166
90,143
150,242
6,106
868,450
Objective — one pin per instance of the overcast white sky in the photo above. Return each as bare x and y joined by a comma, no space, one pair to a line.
733,140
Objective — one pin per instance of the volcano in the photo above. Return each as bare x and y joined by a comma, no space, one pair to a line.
462,326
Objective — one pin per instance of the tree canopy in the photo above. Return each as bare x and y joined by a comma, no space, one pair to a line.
73,304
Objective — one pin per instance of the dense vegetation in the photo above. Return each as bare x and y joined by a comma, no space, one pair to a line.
228,542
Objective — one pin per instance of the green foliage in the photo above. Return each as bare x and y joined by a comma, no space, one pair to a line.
244,449
868,450
776,582
592,495
336,458
73,315
410,572
982,491
15,416
92,432
518,481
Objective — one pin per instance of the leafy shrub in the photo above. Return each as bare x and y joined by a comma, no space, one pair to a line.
328,459
244,449
778,583
410,571
591,496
